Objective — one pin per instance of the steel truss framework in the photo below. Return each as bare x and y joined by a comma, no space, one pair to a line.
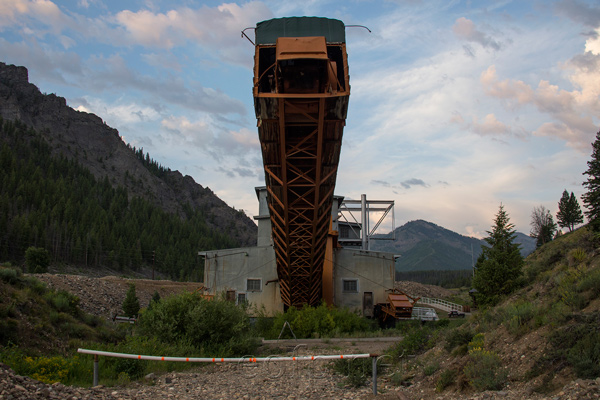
301,152
301,91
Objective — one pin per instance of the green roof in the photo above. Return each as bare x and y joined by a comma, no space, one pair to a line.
268,31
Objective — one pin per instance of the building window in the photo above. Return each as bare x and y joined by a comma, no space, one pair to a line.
230,296
254,285
241,298
350,285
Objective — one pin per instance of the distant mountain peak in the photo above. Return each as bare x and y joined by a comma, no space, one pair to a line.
424,245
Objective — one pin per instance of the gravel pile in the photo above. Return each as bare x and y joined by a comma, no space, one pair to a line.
416,289
104,296
580,389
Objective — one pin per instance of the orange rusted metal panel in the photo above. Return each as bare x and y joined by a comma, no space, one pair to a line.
301,91
297,48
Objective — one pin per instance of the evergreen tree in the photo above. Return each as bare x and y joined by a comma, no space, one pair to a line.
155,299
591,199
37,260
569,212
542,225
131,304
499,265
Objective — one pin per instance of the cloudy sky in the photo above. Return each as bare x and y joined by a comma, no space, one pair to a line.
456,106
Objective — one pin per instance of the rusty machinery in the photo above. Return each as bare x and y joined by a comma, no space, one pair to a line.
301,91
399,305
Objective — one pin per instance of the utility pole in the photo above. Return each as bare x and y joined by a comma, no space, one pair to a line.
153,257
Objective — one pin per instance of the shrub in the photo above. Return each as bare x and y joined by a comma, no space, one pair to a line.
414,342
458,337
431,369
590,283
584,356
64,301
357,370
518,317
577,255
320,321
446,379
211,326
484,370
132,368
10,275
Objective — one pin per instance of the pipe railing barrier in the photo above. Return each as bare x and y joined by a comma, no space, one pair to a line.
97,353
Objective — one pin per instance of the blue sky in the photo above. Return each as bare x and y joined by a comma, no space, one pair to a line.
455,106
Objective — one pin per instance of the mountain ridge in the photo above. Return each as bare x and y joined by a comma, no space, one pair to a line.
424,245
87,139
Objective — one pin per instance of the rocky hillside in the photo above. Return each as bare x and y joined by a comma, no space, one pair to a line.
540,342
87,139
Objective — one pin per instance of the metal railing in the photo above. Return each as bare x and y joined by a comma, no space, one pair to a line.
247,359
441,304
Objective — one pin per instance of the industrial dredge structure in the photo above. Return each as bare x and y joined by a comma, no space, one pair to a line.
307,250
301,91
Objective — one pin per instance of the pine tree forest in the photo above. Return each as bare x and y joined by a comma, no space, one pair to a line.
55,203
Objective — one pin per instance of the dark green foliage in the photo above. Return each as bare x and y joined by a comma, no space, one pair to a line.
155,299
444,278
215,327
543,227
133,368
576,344
131,304
357,371
447,378
321,321
63,301
55,203
37,260
498,269
485,371
569,212
416,340
458,337
584,356
10,275
591,199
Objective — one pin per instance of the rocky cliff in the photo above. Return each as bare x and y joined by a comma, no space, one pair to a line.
87,139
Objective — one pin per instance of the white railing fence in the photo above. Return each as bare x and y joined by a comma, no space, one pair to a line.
247,359
441,304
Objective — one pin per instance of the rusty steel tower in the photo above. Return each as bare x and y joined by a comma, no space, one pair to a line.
301,91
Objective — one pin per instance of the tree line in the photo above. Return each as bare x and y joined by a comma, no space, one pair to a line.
498,270
444,278
55,203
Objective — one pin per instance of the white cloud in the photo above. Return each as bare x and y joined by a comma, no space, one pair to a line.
573,111
489,126
506,89
465,28
593,44
119,113
206,137
214,28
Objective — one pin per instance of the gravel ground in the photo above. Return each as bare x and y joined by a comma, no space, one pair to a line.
104,296
257,382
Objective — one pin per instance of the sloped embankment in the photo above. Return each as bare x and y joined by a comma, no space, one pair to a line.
541,341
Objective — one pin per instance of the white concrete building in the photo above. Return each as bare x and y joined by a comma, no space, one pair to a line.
358,278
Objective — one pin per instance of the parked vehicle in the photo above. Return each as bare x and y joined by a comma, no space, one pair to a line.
456,314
